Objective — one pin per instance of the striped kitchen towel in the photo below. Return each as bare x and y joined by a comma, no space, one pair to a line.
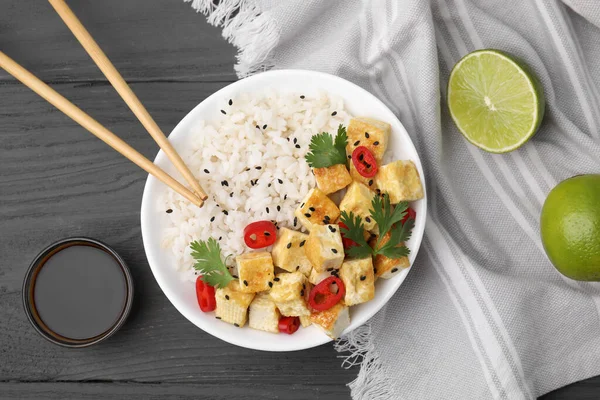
482,314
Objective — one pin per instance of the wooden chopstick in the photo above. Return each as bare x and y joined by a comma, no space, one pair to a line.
83,119
115,78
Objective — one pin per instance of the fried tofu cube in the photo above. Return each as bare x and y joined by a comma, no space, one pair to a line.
371,133
288,252
232,304
385,267
263,314
332,321
400,180
324,247
305,321
255,271
288,293
316,209
359,280
358,200
315,277
368,182
331,179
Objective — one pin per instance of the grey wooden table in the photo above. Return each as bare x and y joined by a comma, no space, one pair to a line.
57,180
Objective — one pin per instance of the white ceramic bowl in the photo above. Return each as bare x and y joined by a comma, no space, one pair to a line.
358,102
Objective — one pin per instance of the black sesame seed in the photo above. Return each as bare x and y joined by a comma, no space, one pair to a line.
371,182
307,215
206,171
295,140
368,219
297,146
362,278
169,211
394,270
367,135
302,293
302,243
220,237
332,229
276,279
278,208
302,97
349,156
327,217
247,169
280,181
225,212
226,297
212,219
236,325
289,245
329,269
258,168
270,284
267,234
287,138
225,183
311,208
257,127
376,143
333,114
223,112
265,126
218,317
357,143
230,102
269,185
361,157
285,197
245,283
295,221
334,251
325,221
297,267
267,208
235,276
377,191
301,205
231,194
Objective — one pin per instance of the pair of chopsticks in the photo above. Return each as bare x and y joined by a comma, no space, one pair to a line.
197,197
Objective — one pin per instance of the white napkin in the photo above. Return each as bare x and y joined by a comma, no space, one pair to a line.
482,314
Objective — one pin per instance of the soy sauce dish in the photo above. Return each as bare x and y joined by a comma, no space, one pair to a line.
294,162
77,292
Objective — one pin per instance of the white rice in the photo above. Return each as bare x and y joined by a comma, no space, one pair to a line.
231,147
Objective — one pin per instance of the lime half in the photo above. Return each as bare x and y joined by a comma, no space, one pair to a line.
495,100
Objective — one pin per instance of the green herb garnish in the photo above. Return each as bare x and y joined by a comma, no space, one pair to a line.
387,221
325,152
209,263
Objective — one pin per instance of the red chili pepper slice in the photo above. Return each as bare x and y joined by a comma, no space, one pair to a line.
322,297
205,295
260,234
289,325
364,162
345,241
410,213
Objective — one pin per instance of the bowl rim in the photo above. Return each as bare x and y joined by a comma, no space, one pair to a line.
28,280
145,208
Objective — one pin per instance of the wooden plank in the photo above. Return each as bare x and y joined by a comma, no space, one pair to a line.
108,391
146,40
57,181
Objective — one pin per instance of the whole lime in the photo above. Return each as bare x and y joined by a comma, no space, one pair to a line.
570,227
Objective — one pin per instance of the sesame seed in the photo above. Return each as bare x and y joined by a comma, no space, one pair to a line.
325,221
377,191
334,251
225,212
236,325
169,211
289,245
367,135
361,157
376,143
265,126
218,317
329,269
247,169
267,234
224,183
297,267
235,276
280,181
307,215
295,140
368,219
285,197
394,270
302,97
311,208
245,283
270,284
327,217
230,102
220,237
302,293
349,156
231,194
331,228
226,297
278,208
302,243
362,278
269,185
333,114
212,219
257,127
297,146
206,171
371,182
267,208
276,279
301,205
295,221
223,112
357,143
258,168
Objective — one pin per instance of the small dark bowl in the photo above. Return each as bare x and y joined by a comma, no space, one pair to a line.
29,285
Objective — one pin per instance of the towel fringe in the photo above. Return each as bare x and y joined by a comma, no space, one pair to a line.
244,25
372,382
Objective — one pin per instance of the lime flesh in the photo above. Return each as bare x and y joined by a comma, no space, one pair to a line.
570,227
495,100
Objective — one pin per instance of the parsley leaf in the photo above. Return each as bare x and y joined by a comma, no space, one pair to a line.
209,263
355,233
400,233
324,152
385,216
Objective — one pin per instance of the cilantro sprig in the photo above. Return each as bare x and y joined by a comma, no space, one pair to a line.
387,219
325,152
209,263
